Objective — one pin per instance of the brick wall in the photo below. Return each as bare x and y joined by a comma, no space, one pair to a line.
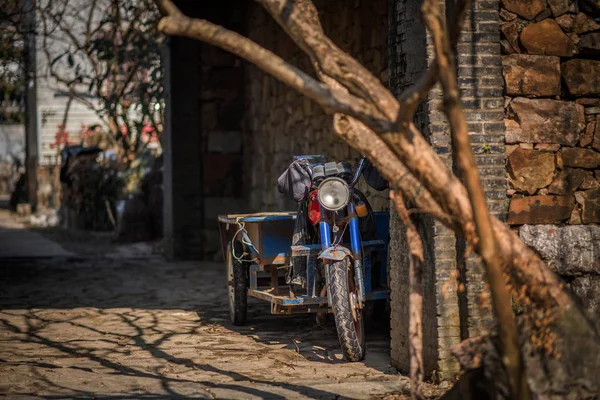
280,122
552,76
458,313
408,60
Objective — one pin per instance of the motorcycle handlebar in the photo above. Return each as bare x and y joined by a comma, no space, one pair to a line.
358,172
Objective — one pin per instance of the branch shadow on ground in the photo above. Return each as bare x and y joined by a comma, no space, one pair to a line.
30,330
31,290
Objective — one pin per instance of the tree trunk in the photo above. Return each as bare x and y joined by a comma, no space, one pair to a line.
374,122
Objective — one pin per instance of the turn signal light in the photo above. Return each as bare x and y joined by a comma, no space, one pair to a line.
361,210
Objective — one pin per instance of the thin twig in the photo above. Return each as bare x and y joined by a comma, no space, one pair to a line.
415,278
487,247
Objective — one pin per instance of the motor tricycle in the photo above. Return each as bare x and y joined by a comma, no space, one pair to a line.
344,261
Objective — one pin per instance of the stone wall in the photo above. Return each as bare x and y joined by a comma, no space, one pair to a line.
281,123
552,75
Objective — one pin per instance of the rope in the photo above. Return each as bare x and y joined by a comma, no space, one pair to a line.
242,228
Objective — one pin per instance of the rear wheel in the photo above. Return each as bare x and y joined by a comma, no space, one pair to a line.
237,287
348,316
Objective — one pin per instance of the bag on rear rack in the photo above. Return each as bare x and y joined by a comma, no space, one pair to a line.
374,178
295,180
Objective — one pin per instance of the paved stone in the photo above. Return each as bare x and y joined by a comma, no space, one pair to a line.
18,242
140,328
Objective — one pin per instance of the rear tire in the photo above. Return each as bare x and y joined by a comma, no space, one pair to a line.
237,287
349,320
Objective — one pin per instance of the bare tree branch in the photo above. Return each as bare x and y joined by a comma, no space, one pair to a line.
330,99
501,300
364,110
415,278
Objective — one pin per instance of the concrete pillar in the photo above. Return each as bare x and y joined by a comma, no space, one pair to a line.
31,119
182,143
450,315
202,137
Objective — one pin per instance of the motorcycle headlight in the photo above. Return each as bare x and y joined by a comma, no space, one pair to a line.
333,194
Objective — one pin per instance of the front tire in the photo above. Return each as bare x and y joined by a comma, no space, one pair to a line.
348,316
237,287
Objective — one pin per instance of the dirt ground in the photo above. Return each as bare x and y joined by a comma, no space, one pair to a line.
139,327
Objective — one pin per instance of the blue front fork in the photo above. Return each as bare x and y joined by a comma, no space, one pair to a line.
355,246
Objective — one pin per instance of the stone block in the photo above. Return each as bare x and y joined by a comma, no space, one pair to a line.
568,250
582,24
590,209
566,22
589,44
568,181
543,15
507,15
589,182
506,47
574,37
530,75
514,133
546,38
540,210
550,121
575,216
592,110
547,147
580,158
511,33
596,139
527,9
587,288
588,134
560,7
588,101
531,170
582,77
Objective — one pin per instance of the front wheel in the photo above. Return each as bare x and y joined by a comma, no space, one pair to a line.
348,315
237,287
